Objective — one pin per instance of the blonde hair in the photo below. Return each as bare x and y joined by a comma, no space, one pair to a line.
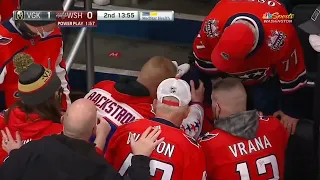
157,69
231,94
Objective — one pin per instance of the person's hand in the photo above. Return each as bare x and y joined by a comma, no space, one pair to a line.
197,95
182,69
147,142
289,123
103,128
175,63
8,143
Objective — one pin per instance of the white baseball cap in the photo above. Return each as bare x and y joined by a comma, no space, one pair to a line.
174,87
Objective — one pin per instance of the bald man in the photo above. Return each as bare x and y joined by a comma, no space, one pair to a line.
126,100
80,123
71,156
243,144
79,118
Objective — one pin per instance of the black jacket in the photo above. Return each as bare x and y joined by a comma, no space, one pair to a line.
59,157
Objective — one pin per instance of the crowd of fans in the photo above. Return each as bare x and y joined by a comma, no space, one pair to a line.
209,119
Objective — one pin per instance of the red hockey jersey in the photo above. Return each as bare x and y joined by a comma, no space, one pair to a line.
6,9
277,50
229,157
119,108
178,157
208,119
31,127
47,52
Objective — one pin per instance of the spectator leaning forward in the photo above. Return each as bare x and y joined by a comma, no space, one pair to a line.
70,155
37,112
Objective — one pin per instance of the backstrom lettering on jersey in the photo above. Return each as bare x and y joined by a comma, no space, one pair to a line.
254,145
164,148
112,109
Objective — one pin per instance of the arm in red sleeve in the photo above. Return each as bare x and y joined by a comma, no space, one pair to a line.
59,66
62,74
292,75
203,46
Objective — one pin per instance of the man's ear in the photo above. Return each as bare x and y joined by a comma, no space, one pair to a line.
154,106
186,113
62,119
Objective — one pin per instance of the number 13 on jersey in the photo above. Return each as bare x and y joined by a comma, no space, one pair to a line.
155,165
167,169
260,168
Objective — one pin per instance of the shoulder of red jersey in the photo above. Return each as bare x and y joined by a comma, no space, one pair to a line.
104,84
270,120
103,87
6,36
191,140
5,40
56,31
135,127
269,124
144,123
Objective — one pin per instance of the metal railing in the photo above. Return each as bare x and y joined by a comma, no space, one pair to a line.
84,32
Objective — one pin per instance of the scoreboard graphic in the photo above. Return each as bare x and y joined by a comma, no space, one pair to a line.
91,18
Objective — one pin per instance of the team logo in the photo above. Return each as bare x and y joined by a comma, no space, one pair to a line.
225,56
254,74
276,40
192,140
21,62
5,40
208,136
211,28
19,15
173,90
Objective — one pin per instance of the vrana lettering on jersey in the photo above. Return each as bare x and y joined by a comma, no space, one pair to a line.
164,148
253,145
111,108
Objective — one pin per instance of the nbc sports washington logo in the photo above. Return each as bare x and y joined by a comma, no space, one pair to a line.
277,17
